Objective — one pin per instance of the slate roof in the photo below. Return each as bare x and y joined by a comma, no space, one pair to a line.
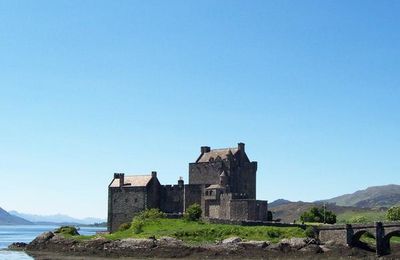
133,181
215,186
222,153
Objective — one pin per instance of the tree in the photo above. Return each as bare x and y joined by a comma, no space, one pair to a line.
193,212
319,215
393,214
270,216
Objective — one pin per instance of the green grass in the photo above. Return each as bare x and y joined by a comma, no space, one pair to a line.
197,232
361,217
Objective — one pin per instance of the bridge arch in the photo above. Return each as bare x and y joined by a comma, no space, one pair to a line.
388,236
356,239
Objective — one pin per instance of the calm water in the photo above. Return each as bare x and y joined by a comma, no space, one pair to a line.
10,234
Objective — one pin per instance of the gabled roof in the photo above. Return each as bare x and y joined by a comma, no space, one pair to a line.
215,187
221,153
133,181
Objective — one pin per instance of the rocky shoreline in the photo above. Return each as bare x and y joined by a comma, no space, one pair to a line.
55,246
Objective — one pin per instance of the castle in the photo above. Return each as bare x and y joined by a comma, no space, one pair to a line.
222,181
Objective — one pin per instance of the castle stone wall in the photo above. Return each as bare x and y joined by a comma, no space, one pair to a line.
205,173
171,200
124,204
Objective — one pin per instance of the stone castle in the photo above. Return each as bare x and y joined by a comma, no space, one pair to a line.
222,181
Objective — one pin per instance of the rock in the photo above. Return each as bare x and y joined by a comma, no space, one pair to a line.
325,249
169,242
41,239
231,240
295,243
136,243
17,246
312,248
253,244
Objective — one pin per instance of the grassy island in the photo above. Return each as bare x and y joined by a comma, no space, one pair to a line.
152,223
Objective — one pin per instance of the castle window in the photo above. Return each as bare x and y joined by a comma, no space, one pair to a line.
135,200
126,200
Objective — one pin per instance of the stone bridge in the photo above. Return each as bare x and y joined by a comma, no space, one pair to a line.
350,234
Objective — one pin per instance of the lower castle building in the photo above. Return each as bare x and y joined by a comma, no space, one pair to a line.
222,181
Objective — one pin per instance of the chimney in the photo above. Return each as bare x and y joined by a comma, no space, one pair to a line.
120,176
241,146
154,174
180,182
205,149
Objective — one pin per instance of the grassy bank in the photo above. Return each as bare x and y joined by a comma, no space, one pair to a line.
199,232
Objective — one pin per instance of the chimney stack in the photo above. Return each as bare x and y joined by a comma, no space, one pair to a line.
154,174
241,146
205,149
121,177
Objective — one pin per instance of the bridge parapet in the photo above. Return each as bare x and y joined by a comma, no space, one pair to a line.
350,234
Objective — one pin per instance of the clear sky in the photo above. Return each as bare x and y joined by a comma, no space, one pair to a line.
89,88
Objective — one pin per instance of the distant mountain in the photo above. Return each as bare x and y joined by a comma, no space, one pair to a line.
372,197
278,202
8,219
56,219
290,212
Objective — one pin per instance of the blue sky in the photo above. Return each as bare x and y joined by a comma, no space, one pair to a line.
89,88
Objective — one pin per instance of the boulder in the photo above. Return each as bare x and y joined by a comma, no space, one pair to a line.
41,239
17,246
231,240
169,242
295,243
134,243
254,244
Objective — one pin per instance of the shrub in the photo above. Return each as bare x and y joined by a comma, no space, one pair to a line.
137,226
270,216
318,215
151,214
358,219
124,226
67,230
274,233
193,213
393,214
309,232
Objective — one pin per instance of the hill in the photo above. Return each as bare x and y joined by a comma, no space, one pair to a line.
8,219
291,211
57,219
372,197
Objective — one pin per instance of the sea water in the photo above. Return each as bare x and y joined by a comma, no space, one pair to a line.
10,234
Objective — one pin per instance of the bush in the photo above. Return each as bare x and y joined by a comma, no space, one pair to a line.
67,230
309,232
393,214
124,226
137,226
151,214
270,216
317,215
193,213
358,219
274,233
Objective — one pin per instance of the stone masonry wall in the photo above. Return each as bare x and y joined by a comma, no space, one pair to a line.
171,200
205,173
124,203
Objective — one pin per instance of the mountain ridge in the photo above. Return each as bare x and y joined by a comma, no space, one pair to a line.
8,219
56,218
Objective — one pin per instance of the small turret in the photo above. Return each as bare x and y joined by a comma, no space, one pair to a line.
180,182
223,179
